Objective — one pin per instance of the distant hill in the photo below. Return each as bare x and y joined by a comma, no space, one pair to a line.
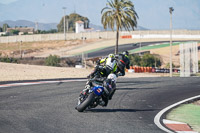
97,27
49,26
24,23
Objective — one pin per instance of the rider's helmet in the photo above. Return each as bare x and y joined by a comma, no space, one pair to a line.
113,77
125,53
111,56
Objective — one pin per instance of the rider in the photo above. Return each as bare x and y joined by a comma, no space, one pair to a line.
123,63
110,66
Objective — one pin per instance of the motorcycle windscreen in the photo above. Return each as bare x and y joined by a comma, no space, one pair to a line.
98,90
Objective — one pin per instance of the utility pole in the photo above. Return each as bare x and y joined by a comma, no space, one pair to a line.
36,27
67,25
64,8
140,42
171,9
20,49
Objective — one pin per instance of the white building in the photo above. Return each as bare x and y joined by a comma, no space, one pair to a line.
80,26
2,33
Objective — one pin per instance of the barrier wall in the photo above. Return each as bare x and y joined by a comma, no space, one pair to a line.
138,69
150,36
188,34
59,36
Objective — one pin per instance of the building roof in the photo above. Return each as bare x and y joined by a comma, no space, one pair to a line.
80,22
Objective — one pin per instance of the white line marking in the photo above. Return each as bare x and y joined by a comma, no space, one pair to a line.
39,82
171,122
186,132
158,116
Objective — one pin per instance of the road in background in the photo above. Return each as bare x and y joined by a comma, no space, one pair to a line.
124,47
49,108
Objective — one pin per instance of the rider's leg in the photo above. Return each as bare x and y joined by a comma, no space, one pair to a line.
92,74
112,91
105,99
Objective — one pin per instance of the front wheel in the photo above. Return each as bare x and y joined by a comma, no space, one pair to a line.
82,106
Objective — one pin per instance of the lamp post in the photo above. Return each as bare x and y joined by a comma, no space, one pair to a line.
64,8
20,49
140,44
171,9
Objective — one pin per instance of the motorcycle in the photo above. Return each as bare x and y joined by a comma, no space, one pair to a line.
97,88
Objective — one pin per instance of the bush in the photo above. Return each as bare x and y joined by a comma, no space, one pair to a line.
135,60
14,32
52,60
168,65
199,65
147,60
9,60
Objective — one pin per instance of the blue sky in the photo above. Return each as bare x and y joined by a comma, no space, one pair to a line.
7,1
153,14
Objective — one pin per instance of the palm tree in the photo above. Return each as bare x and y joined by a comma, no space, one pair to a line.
119,13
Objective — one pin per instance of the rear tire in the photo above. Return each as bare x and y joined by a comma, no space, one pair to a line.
81,107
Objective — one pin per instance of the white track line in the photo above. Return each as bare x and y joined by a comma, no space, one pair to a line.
39,82
165,121
158,116
186,132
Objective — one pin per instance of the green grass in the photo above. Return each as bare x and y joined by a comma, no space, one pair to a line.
176,74
197,74
187,113
154,47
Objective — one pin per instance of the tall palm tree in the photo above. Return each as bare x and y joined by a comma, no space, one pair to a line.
119,13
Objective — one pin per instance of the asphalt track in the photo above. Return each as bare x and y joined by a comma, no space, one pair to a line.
121,48
49,108
124,47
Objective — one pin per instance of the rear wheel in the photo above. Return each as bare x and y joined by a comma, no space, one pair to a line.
82,106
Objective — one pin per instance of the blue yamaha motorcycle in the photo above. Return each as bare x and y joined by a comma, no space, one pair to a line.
92,95
97,90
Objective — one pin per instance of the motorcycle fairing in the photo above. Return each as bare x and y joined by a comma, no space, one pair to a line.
98,90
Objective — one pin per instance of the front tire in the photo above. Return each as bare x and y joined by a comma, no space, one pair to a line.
81,107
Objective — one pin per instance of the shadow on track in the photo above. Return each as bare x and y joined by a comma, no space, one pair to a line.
120,110
137,82
135,88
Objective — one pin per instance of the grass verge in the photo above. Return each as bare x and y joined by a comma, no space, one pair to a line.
162,45
187,113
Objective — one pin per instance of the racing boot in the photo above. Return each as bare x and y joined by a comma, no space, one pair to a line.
104,102
111,94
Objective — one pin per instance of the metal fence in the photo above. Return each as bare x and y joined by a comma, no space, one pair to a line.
188,59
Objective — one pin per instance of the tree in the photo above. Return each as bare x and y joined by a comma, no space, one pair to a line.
47,31
5,26
119,13
1,30
72,18
14,32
